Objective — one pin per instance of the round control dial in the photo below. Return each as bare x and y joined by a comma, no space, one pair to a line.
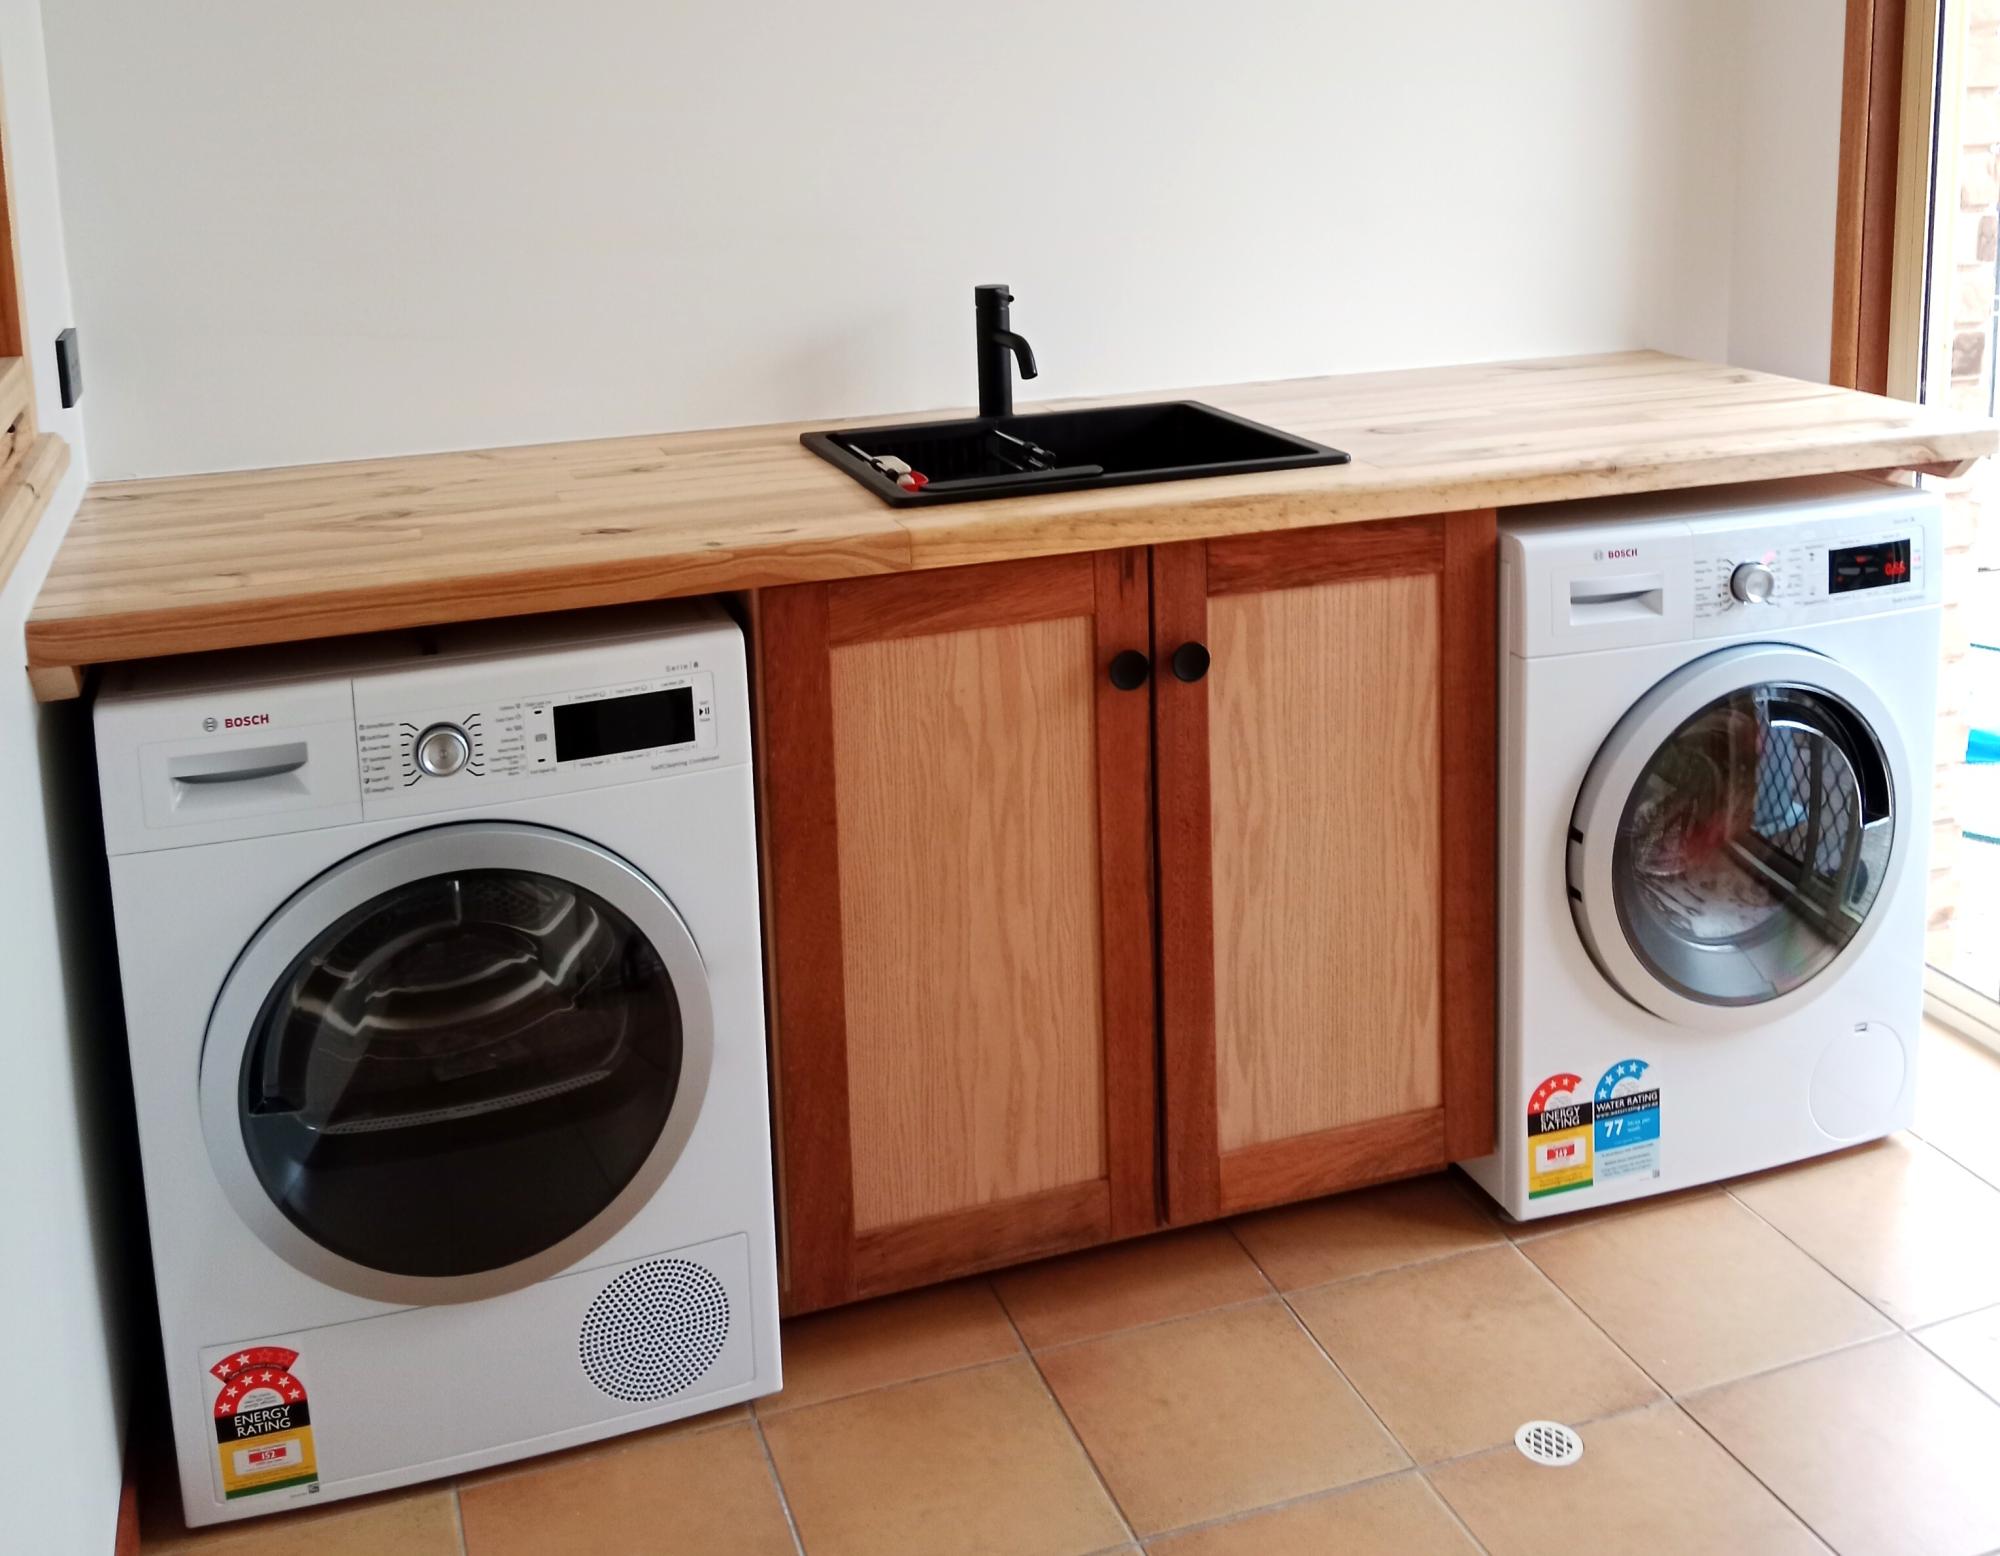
1752,583
442,750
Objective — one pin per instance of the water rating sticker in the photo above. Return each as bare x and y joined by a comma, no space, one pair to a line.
1559,1142
1628,1122
263,1424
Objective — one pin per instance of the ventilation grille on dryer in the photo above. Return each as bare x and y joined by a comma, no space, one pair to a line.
654,1330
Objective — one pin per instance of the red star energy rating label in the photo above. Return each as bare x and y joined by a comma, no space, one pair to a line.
263,1424
1559,1140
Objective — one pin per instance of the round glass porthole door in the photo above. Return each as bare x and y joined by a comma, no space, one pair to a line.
1736,836
456,1062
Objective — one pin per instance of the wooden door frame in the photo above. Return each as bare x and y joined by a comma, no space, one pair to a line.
827,1261
1885,225
1461,551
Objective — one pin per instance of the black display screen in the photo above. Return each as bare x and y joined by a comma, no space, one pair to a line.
1868,567
614,724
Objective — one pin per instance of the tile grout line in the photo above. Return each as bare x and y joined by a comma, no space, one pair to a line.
876,1388
1917,1335
1369,1405
1097,1472
1771,1491
1285,1504
458,1517
1839,1279
1390,1269
1674,1400
778,1485
1151,1323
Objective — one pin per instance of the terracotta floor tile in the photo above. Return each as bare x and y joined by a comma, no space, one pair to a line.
619,1444
1214,1415
1137,1282
1370,1230
1703,1291
1456,1354
696,1491
1970,1346
891,1340
1651,1483
975,1462
1958,1101
1396,1517
1883,1449
422,1522
1912,1231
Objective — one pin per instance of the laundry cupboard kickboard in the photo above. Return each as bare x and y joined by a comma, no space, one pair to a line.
1128,855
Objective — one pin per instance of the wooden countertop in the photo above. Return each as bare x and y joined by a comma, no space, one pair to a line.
267,556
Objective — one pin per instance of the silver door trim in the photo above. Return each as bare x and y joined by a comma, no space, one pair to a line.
1615,769
360,878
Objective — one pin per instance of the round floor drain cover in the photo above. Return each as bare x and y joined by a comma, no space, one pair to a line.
1549,1442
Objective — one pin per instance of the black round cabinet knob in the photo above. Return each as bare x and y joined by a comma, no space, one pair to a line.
1130,670
1190,661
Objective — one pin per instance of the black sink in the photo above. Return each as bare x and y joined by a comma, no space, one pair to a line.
1062,451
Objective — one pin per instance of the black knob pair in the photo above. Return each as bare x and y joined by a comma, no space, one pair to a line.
1131,669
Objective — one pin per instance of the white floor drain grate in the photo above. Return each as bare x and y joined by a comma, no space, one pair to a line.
1549,1442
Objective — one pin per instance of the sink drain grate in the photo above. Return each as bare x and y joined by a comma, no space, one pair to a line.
1549,1442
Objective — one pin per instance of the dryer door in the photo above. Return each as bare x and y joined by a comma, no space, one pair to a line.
1737,836
456,1062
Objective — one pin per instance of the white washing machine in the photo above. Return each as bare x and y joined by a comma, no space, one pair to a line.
442,975
1716,714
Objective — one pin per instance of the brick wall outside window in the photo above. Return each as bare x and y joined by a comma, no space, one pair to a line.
1966,285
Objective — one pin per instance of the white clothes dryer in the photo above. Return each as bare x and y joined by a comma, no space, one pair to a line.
443,985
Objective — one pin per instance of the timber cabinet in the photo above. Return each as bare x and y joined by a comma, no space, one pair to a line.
1123,889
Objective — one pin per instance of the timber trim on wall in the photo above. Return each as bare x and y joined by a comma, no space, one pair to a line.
29,475
1865,213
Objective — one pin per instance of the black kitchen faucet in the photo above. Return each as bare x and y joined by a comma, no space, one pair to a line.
996,373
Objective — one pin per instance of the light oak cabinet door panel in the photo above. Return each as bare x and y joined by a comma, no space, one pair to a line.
1326,798
1323,779
965,783
958,822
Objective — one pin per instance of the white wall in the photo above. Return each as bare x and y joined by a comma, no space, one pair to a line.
319,230
66,1232
1787,169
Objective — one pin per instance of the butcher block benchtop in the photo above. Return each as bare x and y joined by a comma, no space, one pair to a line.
190,563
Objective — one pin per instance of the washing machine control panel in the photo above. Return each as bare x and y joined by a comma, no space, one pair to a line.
1752,580
592,734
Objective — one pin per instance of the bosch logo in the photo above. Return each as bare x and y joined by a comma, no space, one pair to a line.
209,726
1615,554
241,721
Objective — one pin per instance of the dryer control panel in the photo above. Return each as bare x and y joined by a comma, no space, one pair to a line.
484,714
479,729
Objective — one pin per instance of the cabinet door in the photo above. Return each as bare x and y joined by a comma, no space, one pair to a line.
1327,809
957,834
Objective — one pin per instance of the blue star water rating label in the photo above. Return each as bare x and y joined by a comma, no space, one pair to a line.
1627,1115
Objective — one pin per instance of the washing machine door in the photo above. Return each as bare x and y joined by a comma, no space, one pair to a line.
1737,838
456,1062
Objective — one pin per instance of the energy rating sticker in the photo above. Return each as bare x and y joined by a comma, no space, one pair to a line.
1628,1122
1559,1137
263,1424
